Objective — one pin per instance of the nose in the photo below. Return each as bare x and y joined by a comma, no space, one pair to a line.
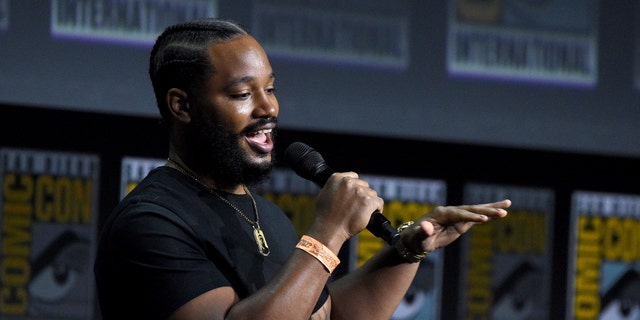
266,105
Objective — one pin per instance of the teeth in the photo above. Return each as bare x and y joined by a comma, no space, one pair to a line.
255,133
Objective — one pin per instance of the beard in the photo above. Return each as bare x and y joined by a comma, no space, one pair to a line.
222,155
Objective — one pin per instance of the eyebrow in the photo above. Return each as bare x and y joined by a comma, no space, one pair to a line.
245,79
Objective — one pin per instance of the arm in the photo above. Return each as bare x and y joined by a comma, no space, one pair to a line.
374,290
343,209
292,294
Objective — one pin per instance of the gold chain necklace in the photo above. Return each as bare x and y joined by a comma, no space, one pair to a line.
258,235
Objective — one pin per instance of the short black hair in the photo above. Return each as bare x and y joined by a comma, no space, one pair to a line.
180,59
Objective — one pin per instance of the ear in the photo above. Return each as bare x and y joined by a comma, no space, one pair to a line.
178,104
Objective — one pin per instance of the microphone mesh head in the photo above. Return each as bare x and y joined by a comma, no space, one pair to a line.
304,160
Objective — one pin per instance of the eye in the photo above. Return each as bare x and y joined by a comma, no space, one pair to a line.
622,299
517,296
621,309
420,295
241,95
54,282
513,307
59,268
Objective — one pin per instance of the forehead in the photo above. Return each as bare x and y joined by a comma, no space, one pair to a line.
240,57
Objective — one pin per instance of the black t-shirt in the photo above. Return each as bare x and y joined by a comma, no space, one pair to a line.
171,240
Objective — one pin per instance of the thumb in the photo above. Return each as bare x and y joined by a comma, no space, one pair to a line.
427,227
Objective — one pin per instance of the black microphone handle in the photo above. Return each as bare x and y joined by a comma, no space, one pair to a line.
378,224
380,227
309,164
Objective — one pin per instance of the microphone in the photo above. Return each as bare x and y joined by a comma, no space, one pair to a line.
309,164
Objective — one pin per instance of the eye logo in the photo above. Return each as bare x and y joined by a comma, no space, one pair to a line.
58,268
622,300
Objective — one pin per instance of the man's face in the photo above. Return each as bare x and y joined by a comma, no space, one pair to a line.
236,115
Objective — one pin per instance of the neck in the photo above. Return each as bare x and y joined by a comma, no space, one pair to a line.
177,163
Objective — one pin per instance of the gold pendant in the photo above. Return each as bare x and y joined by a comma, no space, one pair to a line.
261,241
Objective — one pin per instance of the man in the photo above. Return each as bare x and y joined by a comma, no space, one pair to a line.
192,242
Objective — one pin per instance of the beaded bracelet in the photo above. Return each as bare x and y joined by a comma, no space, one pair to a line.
319,251
404,252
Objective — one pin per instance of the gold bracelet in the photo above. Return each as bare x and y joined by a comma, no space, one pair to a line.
319,251
404,252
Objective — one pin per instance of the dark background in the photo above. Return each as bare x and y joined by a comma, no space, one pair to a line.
321,90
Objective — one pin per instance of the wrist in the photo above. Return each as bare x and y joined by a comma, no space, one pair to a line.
329,237
405,252
319,251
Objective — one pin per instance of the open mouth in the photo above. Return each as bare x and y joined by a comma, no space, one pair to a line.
260,140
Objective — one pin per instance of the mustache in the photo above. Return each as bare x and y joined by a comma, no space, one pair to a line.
260,123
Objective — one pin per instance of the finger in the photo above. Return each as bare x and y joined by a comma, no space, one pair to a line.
474,214
479,213
344,175
504,204
451,215
427,227
491,210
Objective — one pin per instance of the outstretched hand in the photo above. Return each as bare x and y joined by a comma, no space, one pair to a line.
445,224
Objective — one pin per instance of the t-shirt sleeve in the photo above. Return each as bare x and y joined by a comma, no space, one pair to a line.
160,257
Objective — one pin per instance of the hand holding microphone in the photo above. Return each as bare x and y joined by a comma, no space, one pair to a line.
309,164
